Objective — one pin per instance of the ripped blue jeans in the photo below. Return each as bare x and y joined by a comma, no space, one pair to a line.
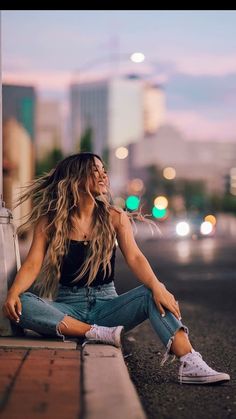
99,305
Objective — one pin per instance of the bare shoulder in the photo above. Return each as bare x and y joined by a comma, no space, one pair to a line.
118,216
39,243
40,225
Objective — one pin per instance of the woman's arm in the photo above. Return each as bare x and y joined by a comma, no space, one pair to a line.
140,265
28,271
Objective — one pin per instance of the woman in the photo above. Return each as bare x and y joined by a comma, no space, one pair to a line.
76,230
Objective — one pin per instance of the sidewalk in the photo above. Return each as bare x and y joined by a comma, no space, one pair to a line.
48,378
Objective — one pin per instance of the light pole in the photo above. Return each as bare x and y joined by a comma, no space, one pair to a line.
9,248
114,58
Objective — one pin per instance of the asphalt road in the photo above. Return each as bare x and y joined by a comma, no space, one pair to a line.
202,276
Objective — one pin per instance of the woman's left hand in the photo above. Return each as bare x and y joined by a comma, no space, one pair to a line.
163,298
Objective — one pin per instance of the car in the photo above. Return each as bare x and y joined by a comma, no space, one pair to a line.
194,226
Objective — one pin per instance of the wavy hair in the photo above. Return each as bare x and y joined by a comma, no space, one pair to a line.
56,195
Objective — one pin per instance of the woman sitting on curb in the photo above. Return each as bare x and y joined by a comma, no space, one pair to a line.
76,230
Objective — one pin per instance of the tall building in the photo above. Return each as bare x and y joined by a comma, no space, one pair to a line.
113,108
49,130
19,102
154,107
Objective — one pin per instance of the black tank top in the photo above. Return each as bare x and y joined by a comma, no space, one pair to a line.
74,260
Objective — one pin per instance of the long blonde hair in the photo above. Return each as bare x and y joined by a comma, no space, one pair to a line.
56,195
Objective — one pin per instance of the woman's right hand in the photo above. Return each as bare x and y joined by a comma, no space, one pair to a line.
12,307
164,299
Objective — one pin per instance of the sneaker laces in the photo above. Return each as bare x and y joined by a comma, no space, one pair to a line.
200,363
101,333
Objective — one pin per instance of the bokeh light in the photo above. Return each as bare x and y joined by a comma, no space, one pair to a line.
211,218
136,185
161,202
137,57
169,173
119,201
132,202
121,152
182,228
158,213
206,227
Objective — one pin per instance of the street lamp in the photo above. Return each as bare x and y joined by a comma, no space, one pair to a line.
137,57
113,59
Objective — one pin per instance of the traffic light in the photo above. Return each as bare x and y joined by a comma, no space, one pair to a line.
158,213
132,202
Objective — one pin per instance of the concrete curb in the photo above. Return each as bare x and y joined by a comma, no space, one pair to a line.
34,342
108,389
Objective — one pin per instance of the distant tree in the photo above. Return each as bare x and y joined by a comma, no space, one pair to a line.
48,162
105,156
229,203
86,140
154,186
194,192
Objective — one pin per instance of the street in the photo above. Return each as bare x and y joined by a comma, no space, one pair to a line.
202,276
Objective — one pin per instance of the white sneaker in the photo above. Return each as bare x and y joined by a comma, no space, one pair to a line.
193,370
102,334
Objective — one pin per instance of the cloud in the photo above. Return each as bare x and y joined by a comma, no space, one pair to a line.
43,80
207,64
196,126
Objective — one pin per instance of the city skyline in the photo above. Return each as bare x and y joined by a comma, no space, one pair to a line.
192,53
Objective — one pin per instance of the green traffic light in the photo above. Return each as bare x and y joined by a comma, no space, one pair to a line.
158,213
132,202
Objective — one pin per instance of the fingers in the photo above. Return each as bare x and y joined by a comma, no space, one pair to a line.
18,307
178,309
160,308
172,305
10,312
174,308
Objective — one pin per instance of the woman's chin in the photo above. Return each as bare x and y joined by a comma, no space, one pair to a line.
102,192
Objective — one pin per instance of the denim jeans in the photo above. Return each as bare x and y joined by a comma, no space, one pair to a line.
99,305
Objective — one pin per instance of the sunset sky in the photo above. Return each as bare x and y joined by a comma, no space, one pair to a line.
192,53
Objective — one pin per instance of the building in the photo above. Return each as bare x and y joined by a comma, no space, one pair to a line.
208,161
19,102
18,167
154,107
120,112
49,127
112,108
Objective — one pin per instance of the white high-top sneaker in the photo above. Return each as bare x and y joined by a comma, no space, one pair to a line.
193,370
102,334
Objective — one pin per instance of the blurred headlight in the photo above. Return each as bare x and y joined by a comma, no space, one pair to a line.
182,228
206,228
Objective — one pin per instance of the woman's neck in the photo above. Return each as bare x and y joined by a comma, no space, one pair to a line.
86,208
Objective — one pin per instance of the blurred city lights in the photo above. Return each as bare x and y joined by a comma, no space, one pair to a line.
158,213
121,152
136,185
206,227
161,202
132,202
169,173
182,228
119,201
211,218
137,57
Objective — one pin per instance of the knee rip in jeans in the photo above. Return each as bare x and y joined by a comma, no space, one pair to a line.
168,346
58,329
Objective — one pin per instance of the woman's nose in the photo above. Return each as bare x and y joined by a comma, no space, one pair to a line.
102,176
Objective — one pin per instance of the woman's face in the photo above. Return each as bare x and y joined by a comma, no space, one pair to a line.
99,179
